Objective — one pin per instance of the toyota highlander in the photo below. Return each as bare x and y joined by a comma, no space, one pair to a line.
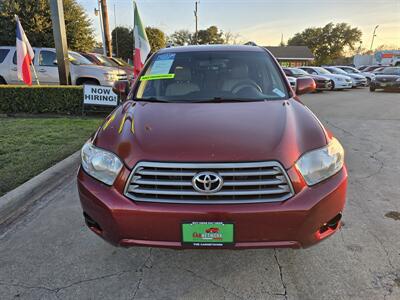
213,149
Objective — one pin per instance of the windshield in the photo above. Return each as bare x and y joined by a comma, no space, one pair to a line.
105,61
299,72
337,71
350,70
120,62
211,76
391,71
322,70
77,59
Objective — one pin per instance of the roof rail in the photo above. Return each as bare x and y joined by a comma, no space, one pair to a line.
250,43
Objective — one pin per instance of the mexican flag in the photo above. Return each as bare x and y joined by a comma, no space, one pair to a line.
142,46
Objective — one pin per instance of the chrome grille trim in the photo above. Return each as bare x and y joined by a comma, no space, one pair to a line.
252,182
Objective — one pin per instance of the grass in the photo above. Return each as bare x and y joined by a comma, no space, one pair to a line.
29,146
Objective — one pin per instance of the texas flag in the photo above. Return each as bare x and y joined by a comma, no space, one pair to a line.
24,55
142,45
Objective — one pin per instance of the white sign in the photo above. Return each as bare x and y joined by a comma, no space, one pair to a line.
99,95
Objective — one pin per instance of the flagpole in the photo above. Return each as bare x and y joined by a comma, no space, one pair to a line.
34,72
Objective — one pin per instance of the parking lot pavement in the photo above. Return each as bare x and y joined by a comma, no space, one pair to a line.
49,253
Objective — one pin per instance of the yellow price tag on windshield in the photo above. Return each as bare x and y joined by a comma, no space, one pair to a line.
157,77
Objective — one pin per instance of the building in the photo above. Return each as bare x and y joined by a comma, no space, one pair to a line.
292,56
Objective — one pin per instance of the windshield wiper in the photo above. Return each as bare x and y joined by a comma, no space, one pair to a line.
223,99
150,99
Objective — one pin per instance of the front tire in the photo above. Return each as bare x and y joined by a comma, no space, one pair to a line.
371,88
333,85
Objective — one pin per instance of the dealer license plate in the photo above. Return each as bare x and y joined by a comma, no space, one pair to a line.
207,234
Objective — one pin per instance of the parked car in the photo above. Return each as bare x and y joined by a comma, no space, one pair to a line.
292,81
213,136
338,82
357,80
362,67
389,79
372,68
103,60
82,71
378,70
351,70
322,83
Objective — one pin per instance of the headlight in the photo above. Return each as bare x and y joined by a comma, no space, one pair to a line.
110,77
322,163
100,164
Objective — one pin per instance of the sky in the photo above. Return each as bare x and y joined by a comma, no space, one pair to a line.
263,22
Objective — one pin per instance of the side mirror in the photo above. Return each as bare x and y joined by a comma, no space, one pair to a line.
55,62
305,85
121,88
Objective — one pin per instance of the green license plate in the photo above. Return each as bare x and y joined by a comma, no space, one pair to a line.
207,234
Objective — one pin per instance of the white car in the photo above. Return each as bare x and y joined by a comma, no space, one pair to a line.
357,79
370,76
339,82
292,81
82,71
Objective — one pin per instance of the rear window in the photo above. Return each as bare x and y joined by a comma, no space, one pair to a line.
3,54
207,75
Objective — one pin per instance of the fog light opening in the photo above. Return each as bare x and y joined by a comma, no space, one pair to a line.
92,224
329,227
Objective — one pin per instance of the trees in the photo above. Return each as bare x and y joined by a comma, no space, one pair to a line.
36,20
328,42
122,42
181,37
156,38
211,35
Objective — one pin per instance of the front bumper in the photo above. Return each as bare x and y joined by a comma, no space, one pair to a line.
293,223
386,85
323,86
343,85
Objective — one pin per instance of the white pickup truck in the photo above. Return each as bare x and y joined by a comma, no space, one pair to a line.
82,70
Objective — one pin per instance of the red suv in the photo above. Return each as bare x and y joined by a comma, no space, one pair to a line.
213,137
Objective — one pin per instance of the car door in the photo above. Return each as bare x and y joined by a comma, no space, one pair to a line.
13,78
47,69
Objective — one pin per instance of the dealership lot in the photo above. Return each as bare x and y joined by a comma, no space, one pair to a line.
49,253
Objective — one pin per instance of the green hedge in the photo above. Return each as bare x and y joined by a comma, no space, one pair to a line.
41,99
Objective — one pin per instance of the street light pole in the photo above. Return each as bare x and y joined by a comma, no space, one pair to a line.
106,27
373,36
196,20
60,40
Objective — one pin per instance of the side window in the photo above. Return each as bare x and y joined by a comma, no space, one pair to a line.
15,56
3,54
287,72
47,58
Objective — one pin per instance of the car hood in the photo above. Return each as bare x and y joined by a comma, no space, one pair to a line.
318,77
387,77
211,132
355,76
336,76
96,68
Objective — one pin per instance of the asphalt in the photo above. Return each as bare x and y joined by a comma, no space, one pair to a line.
48,253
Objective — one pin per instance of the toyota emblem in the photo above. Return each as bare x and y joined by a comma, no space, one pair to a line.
207,182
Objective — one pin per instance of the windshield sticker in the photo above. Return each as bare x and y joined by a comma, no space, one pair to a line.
157,77
279,92
162,64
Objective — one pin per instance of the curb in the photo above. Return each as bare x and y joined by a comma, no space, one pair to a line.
15,202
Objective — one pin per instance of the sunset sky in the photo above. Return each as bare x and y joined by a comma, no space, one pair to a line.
261,21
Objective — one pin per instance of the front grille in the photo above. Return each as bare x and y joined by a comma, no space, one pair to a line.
253,182
122,77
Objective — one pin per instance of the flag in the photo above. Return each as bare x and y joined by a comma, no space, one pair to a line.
142,45
24,55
